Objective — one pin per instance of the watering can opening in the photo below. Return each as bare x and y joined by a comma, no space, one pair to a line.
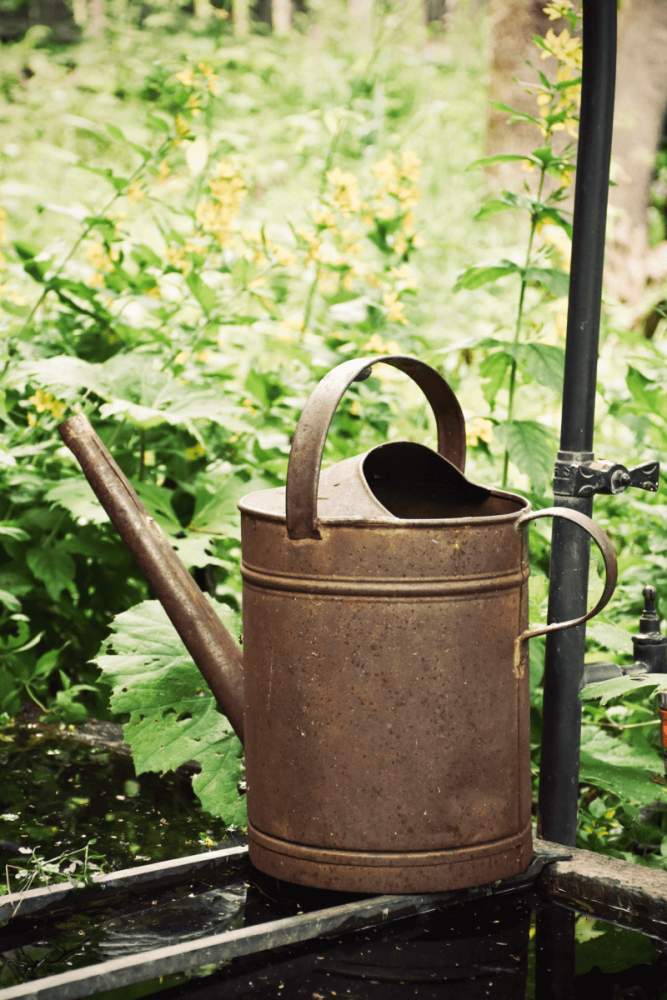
414,483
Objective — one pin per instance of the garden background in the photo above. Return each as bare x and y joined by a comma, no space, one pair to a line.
200,216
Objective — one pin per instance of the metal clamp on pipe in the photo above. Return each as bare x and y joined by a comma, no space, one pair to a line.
576,474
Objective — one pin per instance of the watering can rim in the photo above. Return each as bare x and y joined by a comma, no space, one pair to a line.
384,516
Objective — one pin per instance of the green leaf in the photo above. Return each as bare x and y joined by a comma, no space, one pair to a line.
481,274
619,686
204,295
532,448
487,161
610,636
16,534
492,207
517,116
493,370
173,716
76,496
555,281
10,602
54,567
113,130
543,362
628,779
118,183
649,397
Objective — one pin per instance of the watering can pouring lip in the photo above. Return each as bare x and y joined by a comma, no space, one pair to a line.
207,640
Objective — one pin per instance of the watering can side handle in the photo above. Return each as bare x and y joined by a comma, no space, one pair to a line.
610,565
207,640
303,472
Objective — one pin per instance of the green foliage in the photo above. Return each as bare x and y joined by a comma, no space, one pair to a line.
173,716
77,867
186,285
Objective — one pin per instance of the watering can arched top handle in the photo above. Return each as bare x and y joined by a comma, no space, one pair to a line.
608,555
303,473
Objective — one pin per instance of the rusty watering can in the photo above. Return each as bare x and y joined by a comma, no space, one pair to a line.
385,621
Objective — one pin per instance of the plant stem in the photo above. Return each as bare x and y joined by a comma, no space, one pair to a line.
517,331
87,229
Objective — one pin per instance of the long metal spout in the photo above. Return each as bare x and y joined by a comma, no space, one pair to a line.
207,640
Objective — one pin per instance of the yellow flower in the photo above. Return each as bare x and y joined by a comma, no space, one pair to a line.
182,126
557,9
45,402
378,345
187,77
210,76
181,357
401,244
205,356
564,47
410,166
194,105
197,451
176,257
347,281
387,173
195,248
96,255
163,172
293,323
134,192
404,274
324,217
257,283
408,223
284,257
395,308
479,429
153,292
346,195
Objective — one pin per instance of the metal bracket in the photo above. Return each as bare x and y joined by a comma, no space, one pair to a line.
576,474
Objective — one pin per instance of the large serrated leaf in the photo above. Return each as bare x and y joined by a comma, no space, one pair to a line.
532,448
605,691
173,716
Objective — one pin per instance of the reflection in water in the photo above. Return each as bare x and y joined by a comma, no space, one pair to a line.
506,946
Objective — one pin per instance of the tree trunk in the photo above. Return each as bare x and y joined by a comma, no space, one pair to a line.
641,100
241,17
96,17
281,16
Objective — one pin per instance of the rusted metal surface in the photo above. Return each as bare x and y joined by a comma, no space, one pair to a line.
308,445
385,623
206,639
387,690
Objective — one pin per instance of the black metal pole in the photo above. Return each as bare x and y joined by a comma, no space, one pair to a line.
570,547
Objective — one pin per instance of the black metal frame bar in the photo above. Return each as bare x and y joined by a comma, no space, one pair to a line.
568,589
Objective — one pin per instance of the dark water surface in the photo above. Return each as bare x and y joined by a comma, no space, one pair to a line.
503,947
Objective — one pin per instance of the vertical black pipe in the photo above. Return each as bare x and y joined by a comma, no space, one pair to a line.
570,548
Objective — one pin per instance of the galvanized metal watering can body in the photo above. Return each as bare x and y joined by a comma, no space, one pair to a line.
385,604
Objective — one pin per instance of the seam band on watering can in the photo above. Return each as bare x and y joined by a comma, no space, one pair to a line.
434,587
387,859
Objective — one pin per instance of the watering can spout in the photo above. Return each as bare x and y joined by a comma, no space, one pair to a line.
207,640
